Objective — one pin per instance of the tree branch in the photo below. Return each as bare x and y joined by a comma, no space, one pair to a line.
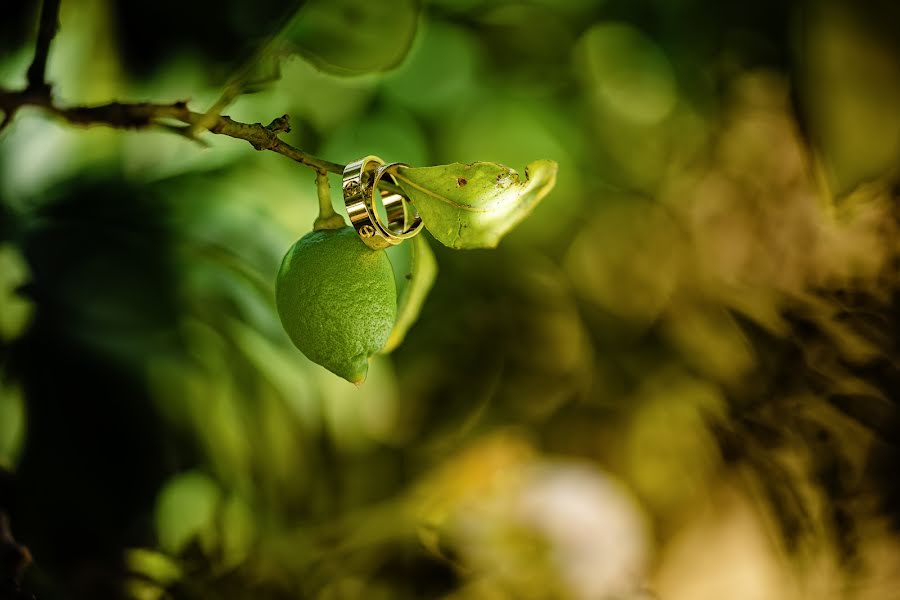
47,28
151,115
144,115
174,117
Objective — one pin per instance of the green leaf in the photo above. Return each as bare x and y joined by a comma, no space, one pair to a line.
185,510
152,565
351,37
474,205
12,424
261,75
17,310
422,272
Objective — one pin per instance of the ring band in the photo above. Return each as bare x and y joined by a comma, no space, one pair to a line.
400,212
360,184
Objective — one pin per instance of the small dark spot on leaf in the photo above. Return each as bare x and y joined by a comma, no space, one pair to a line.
461,181
409,276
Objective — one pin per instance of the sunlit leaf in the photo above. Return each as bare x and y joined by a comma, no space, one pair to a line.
475,205
350,37
154,566
185,510
422,272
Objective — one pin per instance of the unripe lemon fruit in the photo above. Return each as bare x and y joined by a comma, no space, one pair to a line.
337,300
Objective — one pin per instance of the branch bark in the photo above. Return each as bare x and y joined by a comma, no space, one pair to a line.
175,117
144,115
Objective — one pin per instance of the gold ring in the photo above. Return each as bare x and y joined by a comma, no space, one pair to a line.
360,189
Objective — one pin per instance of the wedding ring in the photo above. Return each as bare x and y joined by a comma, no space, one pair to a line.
360,189
403,222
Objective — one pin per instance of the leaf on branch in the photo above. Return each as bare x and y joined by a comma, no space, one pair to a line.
261,75
422,273
352,37
475,205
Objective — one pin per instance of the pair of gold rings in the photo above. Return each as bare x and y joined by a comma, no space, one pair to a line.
378,227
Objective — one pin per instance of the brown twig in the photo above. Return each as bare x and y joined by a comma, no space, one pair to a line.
151,115
49,24
240,81
143,115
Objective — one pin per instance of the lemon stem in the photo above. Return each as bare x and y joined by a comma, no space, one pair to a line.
327,219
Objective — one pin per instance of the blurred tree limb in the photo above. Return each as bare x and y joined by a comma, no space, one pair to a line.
49,25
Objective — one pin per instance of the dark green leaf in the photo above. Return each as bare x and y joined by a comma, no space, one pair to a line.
351,37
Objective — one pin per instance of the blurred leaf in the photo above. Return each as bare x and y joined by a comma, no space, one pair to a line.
389,133
17,310
153,565
260,75
238,530
324,100
628,259
12,424
711,340
185,510
670,450
220,34
851,92
422,272
629,74
474,205
351,37
440,73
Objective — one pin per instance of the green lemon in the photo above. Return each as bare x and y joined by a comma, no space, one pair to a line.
337,300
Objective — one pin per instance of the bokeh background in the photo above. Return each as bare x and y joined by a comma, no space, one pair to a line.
677,379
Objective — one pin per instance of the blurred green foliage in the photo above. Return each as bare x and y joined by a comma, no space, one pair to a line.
677,374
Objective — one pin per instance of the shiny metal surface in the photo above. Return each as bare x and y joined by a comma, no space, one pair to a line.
360,185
